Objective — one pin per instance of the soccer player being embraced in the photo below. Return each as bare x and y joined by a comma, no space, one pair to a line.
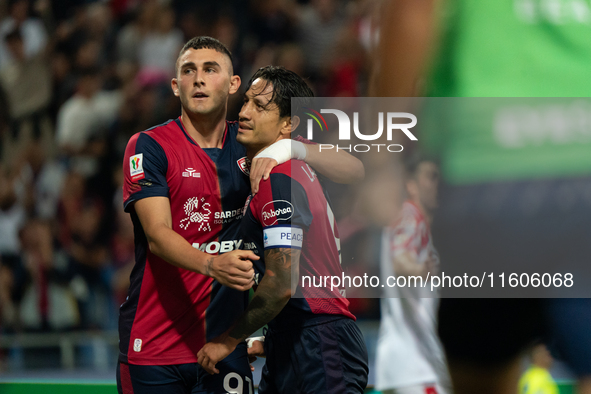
185,187
312,344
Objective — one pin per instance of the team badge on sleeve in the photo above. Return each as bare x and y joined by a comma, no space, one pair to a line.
136,169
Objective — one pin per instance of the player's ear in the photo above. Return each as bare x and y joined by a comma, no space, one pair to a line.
289,125
235,82
295,122
174,84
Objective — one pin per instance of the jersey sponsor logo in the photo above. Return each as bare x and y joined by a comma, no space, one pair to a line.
137,345
250,246
215,247
228,214
136,169
275,211
195,214
243,165
191,173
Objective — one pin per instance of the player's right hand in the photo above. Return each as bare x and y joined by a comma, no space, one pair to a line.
233,269
255,349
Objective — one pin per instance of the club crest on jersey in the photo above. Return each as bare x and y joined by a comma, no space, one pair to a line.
136,169
276,211
243,165
197,215
137,345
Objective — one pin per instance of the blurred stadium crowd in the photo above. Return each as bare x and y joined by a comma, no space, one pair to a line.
78,78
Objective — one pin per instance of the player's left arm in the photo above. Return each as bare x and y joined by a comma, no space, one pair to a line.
339,167
271,296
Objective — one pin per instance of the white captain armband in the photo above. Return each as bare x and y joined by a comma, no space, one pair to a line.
283,237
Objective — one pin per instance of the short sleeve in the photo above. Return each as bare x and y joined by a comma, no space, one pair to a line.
144,170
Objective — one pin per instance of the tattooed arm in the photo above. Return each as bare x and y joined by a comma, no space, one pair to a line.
271,296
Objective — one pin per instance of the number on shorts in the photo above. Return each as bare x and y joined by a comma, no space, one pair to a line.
238,388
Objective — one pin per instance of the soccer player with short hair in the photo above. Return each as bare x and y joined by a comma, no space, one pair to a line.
185,186
312,344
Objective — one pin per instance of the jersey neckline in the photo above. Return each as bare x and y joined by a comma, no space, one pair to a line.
179,122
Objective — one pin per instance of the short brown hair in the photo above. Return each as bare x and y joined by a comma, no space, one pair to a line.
205,42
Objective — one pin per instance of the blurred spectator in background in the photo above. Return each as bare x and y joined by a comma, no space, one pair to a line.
410,357
12,218
88,254
47,303
45,177
272,21
537,378
34,35
131,34
159,48
291,56
318,25
19,77
84,119
122,244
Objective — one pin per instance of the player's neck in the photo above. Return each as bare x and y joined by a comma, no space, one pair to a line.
206,131
427,214
251,153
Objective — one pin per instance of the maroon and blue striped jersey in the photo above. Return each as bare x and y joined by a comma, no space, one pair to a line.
170,312
291,211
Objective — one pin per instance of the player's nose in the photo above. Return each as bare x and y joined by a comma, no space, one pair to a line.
244,113
199,80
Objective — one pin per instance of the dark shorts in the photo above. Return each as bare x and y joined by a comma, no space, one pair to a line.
234,377
328,357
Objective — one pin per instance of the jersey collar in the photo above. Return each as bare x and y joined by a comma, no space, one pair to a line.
179,122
